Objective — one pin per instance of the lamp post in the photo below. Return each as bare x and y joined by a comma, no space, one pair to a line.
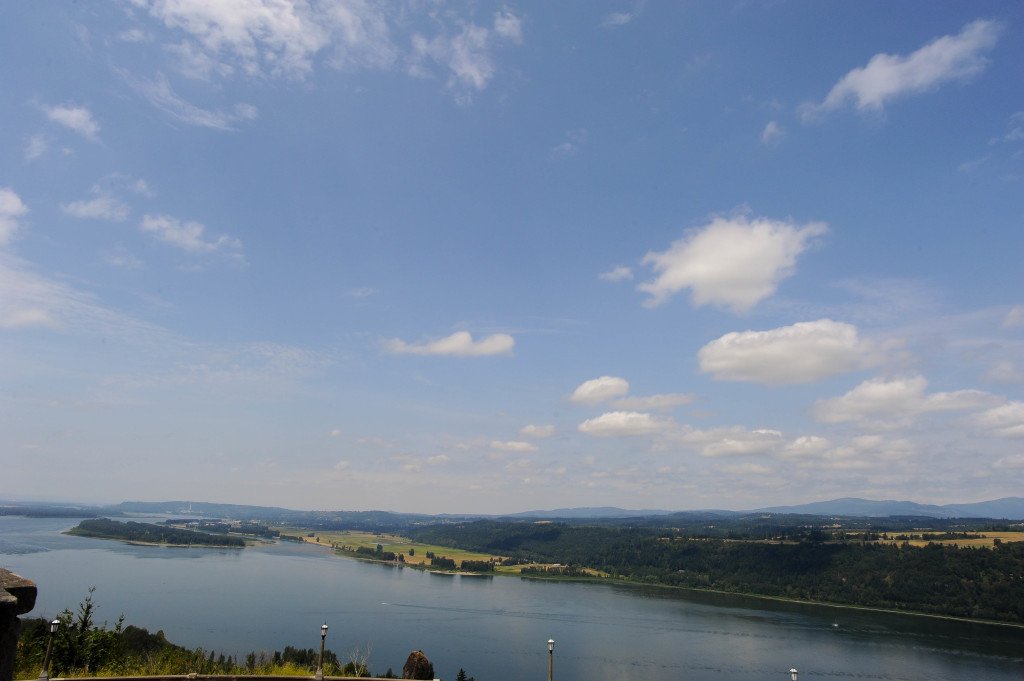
45,674
551,657
320,664
792,674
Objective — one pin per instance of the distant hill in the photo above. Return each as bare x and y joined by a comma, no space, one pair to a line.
1010,508
588,512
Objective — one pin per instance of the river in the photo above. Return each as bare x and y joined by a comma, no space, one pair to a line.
496,628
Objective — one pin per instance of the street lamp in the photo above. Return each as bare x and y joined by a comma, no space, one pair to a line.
320,664
45,674
792,674
551,657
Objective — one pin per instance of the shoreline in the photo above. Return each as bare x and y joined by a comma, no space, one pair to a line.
626,583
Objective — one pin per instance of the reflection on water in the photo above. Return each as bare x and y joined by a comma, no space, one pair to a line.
267,597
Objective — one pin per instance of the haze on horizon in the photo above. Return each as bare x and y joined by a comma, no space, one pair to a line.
491,257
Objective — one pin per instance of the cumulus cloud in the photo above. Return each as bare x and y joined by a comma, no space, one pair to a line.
886,76
598,390
508,26
267,38
625,424
1014,318
1003,372
533,432
513,446
460,344
617,274
467,54
104,207
732,441
772,133
865,452
804,447
664,401
1006,420
734,263
11,210
36,147
888,400
77,118
1014,461
801,353
188,236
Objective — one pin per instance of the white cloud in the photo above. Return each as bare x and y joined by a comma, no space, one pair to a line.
865,452
624,424
598,390
1014,318
334,433
617,19
508,26
801,353
617,274
104,207
734,441
341,465
36,147
77,118
574,140
663,401
161,95
886,76
772,133
187,236
1003,372
900,398
460,344
1006,420
533,432
804,447
513,446
745,469
733,263
11,209
263,37
1014,461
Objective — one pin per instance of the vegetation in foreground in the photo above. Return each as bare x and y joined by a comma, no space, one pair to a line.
83,648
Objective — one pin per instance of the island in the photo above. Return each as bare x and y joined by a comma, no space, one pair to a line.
146,533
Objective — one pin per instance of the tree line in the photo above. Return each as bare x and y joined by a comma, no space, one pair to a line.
937,579
105,528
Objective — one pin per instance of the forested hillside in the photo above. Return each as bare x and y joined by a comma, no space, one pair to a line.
935,579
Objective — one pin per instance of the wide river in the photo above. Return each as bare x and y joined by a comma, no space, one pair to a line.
496,628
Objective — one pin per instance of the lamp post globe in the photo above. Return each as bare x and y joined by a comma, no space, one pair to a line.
44,675
320,664
551,657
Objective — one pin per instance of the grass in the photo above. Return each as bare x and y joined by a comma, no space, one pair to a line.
390,542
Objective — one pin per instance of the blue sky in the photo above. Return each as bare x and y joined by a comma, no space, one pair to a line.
487,257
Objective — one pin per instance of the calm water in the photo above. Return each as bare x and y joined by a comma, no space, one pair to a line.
265,598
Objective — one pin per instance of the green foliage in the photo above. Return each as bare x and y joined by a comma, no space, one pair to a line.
151,534
810,565
83,648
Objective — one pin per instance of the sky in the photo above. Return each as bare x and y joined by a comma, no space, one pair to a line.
489,257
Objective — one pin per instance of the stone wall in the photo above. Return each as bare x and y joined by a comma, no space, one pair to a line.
17,597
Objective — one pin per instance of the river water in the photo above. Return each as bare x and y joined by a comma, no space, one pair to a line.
496,628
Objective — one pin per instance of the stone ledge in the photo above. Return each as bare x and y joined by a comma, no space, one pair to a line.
17,594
